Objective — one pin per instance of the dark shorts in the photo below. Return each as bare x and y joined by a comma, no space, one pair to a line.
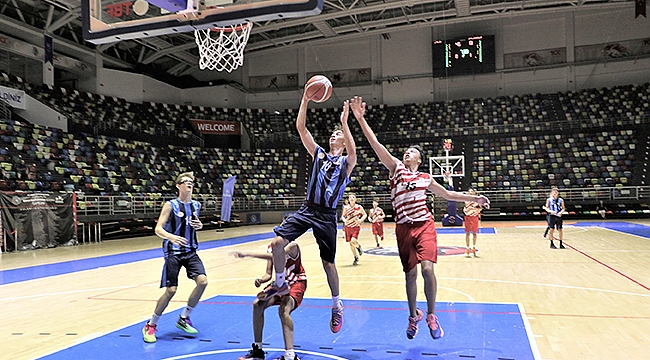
173,263
321,220
555,222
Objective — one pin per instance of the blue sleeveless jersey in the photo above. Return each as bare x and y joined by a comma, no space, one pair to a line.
179,224
328,179
555,205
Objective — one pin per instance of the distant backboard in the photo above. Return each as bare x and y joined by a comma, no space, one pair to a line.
106,21
454,165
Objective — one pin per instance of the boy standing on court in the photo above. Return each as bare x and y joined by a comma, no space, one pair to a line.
177,225
376,217
353,216
555,208
472,212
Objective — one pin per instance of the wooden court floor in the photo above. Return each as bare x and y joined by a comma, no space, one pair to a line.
590,301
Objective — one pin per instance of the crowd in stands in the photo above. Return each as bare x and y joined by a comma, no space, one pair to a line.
34,157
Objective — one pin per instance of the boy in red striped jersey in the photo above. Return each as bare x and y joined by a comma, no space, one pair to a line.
414,227
353,216
297,281
472,218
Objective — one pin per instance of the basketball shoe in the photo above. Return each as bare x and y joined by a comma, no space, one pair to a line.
356,261
254,354
149,333
360,250
285,358
474,252
185,324
336,322
412,329
467,251
435,329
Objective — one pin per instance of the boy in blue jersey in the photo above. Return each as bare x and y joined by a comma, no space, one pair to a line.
555,208
330,173
177,225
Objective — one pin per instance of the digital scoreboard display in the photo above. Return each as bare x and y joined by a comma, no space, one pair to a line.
463,56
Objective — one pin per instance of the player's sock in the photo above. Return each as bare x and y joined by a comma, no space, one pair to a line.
186,312
289,354
279,279
335,301
154,319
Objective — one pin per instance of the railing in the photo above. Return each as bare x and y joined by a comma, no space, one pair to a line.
150,205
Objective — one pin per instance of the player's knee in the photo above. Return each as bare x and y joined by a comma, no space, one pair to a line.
171,290
202,281
279,242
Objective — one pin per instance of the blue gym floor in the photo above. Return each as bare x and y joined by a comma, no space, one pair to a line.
373,329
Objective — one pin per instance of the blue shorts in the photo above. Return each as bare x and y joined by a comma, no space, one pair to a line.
321,219
555,222
173,263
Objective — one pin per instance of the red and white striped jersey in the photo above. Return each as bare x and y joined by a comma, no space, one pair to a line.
293,270
376,214
472,208
351,213
408,195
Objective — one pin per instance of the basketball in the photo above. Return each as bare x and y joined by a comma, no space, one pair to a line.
318,88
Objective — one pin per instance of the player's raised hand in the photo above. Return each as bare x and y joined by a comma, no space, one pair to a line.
346,112
358,107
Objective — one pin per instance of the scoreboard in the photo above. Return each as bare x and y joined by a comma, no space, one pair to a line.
463,56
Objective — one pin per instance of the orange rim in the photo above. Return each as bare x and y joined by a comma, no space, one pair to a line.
239,27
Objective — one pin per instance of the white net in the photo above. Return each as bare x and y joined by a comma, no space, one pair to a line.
222,49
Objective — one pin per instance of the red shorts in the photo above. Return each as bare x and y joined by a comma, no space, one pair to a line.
416,242
378,229
351,232
471,224
296,291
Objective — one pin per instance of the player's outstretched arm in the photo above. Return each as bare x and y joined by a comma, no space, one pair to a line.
358,108
301,125
350,145
439,190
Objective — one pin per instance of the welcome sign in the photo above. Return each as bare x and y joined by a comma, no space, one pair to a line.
213,127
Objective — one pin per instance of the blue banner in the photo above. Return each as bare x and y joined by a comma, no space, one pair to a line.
226,201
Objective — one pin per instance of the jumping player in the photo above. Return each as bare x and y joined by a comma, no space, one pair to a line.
472,212
297,280
353,216
415,230
330,173
376,217
177,225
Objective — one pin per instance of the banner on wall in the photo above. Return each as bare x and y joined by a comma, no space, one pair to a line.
350,76
48,60
15,98
37,220
534,58
614,50
284,81
226,201
212,127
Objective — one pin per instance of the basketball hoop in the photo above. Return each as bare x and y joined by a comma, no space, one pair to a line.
222,48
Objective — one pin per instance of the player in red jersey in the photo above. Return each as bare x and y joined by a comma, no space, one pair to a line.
414,227
353,216
376,217
297,281
472,212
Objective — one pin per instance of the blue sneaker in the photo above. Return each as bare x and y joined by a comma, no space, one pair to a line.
412,329
434,327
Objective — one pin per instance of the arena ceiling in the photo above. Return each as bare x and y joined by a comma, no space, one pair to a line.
176,55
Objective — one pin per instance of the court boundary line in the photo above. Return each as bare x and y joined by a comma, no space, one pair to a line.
529,332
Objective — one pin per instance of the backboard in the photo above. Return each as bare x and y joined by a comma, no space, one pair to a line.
454,165
106,21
